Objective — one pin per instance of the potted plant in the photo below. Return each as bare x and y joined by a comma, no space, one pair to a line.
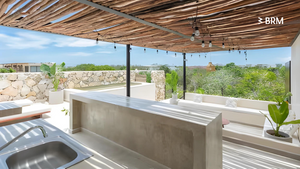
172,79
280,99
54,73
278,116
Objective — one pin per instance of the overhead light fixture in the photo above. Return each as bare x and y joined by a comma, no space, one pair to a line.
223,45
203,44
193,37
210,44
197,32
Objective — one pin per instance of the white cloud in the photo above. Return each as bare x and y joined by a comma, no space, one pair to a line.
24,41
74,42
21,40
79,54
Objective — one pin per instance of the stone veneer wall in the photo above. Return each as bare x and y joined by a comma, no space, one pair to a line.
34,86
158,77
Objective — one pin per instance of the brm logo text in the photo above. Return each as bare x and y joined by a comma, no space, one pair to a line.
271,20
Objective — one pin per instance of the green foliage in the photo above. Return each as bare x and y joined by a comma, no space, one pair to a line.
89,67
148,76
279,116
255,83
281,99
165,68
66,111
4,70
172,80
200,91
54,72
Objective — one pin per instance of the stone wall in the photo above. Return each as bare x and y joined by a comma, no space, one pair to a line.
34,86
158,77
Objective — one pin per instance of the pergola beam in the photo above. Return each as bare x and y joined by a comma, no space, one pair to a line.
92,4
101,7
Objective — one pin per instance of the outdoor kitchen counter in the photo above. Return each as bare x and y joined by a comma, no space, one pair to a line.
173,136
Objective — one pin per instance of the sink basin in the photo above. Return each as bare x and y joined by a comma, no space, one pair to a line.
50,155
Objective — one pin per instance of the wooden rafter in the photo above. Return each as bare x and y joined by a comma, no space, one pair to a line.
234,22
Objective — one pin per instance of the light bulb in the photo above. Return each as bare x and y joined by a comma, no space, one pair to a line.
210,44
203,44
193,37
144,50
167,52
115,46
199,56
223,45
97,41
197,32
157,51
232,49
191,55
175,54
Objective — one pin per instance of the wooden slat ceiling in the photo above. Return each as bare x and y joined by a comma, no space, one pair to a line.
234,22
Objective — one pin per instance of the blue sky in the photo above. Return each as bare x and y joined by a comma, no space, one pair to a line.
18,45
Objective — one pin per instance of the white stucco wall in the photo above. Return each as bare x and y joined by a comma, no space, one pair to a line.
295,77
144,91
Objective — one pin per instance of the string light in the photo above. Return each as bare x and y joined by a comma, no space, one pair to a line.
167,52
197,32
175,54
157,51
203,44
229,50
191,55
144,50
199,56
97,41
115,46
193,37
210,44
223,45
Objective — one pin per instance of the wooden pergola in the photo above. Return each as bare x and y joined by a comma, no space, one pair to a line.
161,24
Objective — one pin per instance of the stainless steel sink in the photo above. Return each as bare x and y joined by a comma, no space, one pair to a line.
50,155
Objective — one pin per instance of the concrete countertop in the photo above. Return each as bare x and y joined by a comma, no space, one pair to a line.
174,136
192,115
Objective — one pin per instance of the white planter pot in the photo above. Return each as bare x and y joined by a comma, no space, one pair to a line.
56,97
173,100
198,98
270,134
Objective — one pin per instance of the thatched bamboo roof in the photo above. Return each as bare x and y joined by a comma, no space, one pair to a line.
234,22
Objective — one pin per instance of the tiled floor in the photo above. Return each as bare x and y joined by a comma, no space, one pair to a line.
235,156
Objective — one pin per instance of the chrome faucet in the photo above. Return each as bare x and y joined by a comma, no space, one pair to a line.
22,134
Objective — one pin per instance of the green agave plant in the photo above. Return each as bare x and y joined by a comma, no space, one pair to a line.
279,116
54,72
